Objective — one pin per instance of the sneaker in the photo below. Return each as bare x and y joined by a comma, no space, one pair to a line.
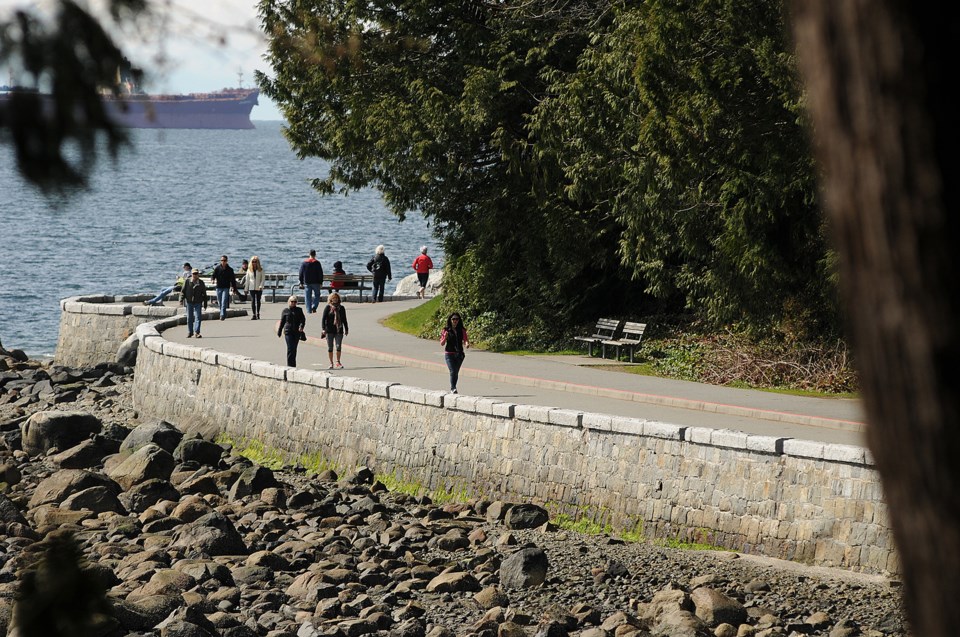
223,318
189,335
453,391
339,366
331,367
198,336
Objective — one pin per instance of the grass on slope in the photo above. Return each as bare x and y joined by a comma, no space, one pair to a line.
415,320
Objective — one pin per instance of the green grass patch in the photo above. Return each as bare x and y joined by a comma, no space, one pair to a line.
276,459
581,525
415,320
440,495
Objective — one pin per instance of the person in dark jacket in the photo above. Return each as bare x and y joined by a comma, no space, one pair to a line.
311,278
225,280
193,296
454,340
379,265
292,322
333,322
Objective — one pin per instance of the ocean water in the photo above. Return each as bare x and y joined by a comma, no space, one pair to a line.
181,195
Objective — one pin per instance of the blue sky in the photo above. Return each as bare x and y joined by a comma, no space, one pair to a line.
190,46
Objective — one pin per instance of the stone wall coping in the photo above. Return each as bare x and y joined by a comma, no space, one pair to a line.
150,335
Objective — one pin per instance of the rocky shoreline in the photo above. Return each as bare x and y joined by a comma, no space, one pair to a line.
191,540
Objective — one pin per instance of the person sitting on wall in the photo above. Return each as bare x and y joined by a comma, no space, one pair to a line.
182,276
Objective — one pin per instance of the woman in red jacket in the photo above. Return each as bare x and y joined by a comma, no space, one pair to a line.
422,266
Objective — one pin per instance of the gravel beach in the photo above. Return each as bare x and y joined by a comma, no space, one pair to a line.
189,539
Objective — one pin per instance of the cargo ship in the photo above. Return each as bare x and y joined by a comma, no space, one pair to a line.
228,108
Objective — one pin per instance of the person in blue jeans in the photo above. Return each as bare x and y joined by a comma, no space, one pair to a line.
292,322
194,297
454,340
226,280
181,277
311,278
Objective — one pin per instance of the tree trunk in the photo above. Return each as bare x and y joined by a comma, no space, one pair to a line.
878,74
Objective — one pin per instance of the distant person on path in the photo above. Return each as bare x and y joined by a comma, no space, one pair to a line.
194,297
333,322
422,266
179,280
292,322
311,278
454,340
225,279
379,265
336,280
244,266
253,284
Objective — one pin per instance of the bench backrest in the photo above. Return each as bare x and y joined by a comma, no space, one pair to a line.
607,328
632,332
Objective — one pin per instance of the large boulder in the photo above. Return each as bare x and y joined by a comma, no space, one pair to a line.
715,608
144,495
526,516
198,450
213,534
9,513
524,568
64,483
409,285
98,499
89,453
127,352
47,430
252,481
160,433
146,463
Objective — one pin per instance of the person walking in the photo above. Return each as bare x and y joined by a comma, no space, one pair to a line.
292,322
182,276
311,278
379,265
454,339
422,266
333,322
194,296
225,279
253,285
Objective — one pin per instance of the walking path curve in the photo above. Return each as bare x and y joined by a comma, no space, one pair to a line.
374,352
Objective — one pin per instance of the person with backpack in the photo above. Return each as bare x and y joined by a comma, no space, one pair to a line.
379,266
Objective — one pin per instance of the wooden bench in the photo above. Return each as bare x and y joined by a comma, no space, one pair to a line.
630,336
274,281
605,330
348,283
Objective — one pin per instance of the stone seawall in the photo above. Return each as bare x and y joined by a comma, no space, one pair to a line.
807,501
92,328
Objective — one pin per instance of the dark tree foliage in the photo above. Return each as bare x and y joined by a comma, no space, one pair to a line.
69,59
578,159
430,102
58,595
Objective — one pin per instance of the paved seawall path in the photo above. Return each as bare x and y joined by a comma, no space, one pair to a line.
374,352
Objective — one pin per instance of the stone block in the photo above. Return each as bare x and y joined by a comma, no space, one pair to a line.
434,398
408,394
380,388
341,383
235,361
765,444
624,425
803,448
268,370
698,435
844,453
208,356
485,406
564,417
154,343
729,439
596,422
534,413
146,329
459,402
504,410
308,377
177,350
662,430
107,310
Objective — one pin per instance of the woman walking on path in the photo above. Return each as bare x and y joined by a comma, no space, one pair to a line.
422,266
379,265
253,284
333,322
193,296
454,340
292,322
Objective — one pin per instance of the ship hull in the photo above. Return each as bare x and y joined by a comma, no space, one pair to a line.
222,110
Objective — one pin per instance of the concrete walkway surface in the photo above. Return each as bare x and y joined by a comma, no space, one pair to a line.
374,352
